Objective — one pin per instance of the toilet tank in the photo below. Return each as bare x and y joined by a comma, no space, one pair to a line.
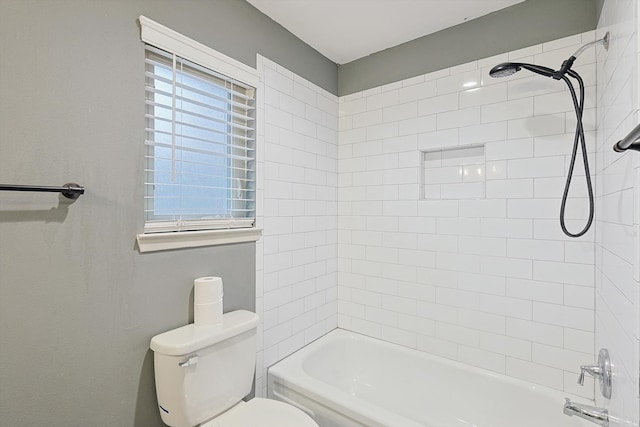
201,371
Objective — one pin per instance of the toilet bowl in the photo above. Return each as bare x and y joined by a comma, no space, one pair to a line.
203,372
260,412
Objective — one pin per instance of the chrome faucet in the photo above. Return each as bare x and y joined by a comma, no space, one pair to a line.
599,416
593,370
601,371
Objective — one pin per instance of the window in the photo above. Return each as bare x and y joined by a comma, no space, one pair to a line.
200,157
200,165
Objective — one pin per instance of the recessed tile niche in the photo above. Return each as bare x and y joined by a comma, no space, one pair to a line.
453,173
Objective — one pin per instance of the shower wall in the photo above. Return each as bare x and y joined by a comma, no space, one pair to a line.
297,207
459,252
618,210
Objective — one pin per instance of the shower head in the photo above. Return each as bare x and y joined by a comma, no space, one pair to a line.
504,70
508,68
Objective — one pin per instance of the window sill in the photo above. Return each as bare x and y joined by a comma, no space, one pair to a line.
152,242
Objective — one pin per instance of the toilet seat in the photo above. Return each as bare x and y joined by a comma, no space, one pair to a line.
260,412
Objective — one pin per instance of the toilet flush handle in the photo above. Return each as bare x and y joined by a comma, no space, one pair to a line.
189,362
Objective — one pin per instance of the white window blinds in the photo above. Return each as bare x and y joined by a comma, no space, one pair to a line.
200,147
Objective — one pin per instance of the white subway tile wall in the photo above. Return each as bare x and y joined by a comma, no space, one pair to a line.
480,275
296,259
617,248
492,282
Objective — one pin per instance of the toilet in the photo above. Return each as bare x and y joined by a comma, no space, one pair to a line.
203,372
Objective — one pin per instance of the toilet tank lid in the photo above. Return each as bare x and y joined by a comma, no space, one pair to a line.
191,338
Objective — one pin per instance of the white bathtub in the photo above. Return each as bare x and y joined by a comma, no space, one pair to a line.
345,380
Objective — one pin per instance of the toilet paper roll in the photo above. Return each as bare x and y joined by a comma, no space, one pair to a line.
208,314
207,290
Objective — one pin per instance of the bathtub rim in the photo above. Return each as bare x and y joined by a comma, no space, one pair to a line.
290,373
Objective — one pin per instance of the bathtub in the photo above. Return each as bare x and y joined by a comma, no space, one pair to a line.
346,380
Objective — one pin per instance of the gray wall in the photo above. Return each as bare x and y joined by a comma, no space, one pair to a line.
524,24
78,302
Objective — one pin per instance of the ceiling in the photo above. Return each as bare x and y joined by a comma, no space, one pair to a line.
345,30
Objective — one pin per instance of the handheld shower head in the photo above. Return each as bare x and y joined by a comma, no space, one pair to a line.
504,70
508,68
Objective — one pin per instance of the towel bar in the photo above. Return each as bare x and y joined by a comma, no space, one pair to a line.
69,190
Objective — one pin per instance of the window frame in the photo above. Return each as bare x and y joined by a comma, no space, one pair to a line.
165,39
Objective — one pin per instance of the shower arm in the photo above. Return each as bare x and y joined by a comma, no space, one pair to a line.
604,41
567,64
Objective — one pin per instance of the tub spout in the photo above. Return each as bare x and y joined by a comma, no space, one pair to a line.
599,416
